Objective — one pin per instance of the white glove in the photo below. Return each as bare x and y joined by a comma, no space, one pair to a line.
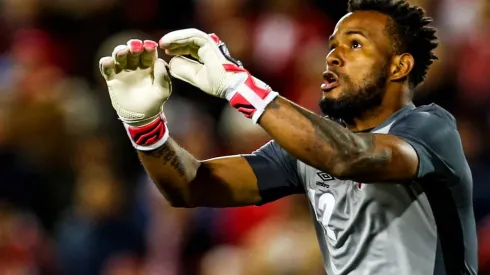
139,84
216,73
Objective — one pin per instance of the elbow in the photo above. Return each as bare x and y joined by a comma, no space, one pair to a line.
175,200
346,166
178,203
176,197
337,163
358,166
340,170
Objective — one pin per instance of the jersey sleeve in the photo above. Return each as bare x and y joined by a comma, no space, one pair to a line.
276,172
434,136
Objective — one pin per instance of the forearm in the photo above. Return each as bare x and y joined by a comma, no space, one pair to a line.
172,169
320,142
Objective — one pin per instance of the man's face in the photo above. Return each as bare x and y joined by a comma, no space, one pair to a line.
357,66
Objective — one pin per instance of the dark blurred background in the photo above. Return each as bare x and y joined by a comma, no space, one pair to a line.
73,197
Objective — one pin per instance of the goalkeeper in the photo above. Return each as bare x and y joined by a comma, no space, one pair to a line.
390,193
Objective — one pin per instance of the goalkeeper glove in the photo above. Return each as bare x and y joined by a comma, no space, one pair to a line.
138,85
216,72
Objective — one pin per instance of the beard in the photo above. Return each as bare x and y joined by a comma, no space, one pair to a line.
356,100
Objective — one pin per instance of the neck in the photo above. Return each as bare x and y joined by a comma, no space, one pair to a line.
376,116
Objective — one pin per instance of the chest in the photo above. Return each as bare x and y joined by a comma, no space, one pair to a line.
320,186
338,205
331,197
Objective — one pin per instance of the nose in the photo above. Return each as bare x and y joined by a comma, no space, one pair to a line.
334,59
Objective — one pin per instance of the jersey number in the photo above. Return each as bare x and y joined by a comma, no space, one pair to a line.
326,203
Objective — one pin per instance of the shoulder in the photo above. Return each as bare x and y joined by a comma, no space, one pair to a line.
272,155
428,124
435,111
273,150
276,172
433,133
432,114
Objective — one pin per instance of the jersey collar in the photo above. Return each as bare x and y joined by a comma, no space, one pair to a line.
394,117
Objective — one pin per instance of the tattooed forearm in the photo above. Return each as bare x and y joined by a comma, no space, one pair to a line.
348,153
274,105
170,162
171,168
168,156
357,152
327,131
372,159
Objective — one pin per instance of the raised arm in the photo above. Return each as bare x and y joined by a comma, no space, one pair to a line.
139,85
188,182
324,144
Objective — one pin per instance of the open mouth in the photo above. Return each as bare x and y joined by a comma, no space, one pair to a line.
331,81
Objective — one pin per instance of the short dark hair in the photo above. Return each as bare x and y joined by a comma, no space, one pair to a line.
409,30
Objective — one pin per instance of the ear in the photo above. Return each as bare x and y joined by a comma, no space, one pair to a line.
401,66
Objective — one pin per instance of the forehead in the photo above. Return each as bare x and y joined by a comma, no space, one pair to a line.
370,23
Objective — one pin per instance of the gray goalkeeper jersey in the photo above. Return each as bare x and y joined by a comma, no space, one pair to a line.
421,227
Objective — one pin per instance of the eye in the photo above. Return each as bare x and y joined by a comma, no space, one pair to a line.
356,45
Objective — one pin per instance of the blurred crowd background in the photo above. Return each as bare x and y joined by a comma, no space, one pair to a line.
74,199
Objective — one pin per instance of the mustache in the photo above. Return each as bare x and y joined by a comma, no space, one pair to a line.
337,73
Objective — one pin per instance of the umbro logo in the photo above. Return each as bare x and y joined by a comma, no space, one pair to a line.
322,184
324,177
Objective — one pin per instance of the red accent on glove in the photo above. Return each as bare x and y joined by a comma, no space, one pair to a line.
150,45
250,82
238,101
242,105
262,93
215,38
136,46
234,68
148,134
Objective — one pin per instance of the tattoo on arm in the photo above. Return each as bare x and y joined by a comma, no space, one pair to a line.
168,156
371,159
357,151
274,104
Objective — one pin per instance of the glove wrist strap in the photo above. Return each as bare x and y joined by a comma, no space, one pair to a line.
149,136
249,102
248,95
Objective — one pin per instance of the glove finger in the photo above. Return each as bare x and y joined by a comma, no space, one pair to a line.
186,70
120,56
195,42
107,67
135,50
150,53
183,37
